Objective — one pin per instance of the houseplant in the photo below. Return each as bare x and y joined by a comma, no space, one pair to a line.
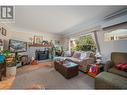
10,62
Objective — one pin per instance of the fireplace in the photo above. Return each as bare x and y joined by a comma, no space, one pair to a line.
41,55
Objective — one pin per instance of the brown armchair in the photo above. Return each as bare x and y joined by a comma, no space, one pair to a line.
113,78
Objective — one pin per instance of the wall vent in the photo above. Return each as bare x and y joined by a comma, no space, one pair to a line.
116,14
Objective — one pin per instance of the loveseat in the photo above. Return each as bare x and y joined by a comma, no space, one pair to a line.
113,77
79,57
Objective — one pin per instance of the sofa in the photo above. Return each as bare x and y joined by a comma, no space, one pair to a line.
113,77
79,57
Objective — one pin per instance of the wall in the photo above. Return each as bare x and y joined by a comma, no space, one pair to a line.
5,38
25,35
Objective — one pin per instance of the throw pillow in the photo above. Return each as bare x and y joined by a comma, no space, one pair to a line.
83,55
118,66
67,53
124,67
121,66
77,55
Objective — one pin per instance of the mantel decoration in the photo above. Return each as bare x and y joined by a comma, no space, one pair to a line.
44,42
38,39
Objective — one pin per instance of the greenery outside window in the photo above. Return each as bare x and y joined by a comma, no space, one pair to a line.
83,43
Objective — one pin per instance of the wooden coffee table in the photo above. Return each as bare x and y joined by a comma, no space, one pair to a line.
67,68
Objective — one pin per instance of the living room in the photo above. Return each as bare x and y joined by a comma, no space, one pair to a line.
42,43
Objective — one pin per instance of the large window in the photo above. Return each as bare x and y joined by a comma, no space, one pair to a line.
118,34
83,43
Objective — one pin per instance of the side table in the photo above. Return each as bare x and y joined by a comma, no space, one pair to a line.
95,69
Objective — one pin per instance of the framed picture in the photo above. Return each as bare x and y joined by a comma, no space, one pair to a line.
3,31
38,39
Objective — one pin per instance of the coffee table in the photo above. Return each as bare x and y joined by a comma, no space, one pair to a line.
67,68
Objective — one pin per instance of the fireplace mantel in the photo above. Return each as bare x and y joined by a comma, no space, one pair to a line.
40,45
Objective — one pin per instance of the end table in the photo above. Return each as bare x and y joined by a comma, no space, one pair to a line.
95,69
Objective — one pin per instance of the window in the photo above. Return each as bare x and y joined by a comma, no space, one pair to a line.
119,34
83,43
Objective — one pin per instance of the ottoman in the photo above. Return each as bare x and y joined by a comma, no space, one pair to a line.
106,80
66,68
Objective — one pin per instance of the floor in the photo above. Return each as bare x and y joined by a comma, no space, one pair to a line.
44,76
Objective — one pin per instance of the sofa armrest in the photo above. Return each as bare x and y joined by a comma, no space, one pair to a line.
108,65
84,64
88,61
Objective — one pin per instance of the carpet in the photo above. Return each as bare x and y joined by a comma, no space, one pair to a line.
51,79
28,68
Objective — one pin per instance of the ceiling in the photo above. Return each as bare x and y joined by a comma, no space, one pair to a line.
57,19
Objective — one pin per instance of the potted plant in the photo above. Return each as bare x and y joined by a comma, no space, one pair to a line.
10,62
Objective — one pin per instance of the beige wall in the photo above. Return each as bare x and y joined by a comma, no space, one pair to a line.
25,34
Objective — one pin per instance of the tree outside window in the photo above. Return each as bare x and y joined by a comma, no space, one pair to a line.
84,43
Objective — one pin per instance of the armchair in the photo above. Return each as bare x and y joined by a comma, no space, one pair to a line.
113,78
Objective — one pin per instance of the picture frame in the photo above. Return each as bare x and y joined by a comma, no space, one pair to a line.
3,31
38,39
1,42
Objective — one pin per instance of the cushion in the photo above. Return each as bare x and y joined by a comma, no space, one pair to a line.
77,54
118,72
88,53
121,66
107,80
124,67
67,54
83,55
78,61
59,58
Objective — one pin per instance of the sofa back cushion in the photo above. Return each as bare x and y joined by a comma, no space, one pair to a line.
77,54
66,54
118,57
84,55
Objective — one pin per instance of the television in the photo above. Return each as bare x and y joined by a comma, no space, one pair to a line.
17,46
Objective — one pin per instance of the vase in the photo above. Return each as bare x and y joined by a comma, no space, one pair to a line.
11,71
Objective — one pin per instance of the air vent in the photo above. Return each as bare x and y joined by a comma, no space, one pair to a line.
116,14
